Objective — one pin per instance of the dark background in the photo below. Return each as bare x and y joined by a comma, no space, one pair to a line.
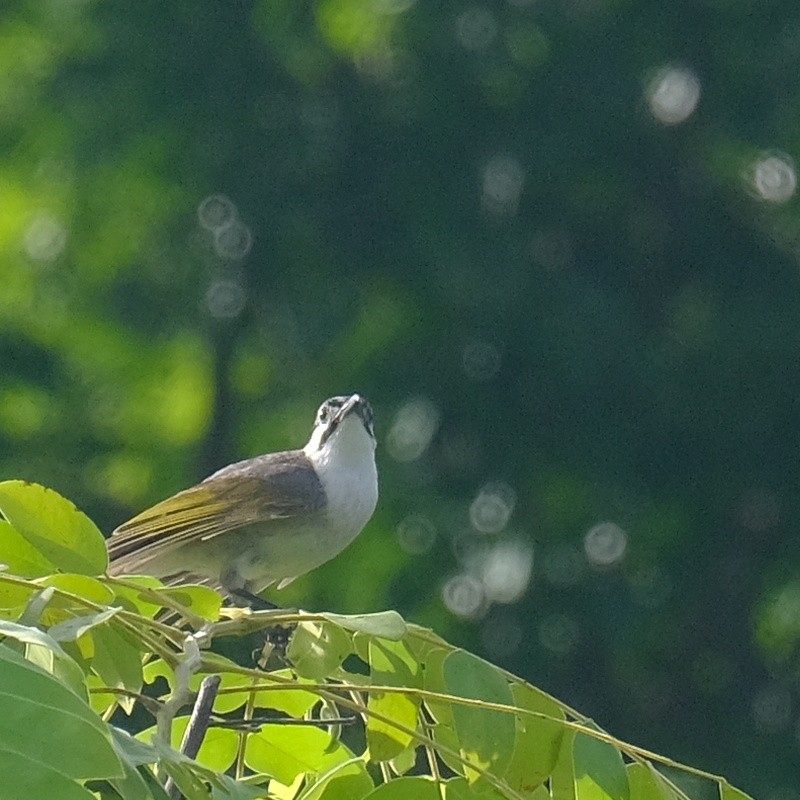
554,243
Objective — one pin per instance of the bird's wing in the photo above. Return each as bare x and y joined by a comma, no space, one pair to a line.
271,487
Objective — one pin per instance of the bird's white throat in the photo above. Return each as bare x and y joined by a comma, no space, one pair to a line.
345,464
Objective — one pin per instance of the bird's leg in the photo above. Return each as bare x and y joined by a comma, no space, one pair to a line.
275,638
248,599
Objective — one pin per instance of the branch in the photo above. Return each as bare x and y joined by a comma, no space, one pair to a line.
198,725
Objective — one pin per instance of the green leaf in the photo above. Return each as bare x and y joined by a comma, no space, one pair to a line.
224,703
59,665
26,778
84,586
445,736
461,789
192,777
562,781
225,788
485,736
728,792
219,747
71,629
131,785
43,721
27,634
158,668
405,761
647,784
20,556
13,599
292,701
284,752
318,648
391,664
100,701
599,771
347,781
538,740
190,784
217,752
432,664
132,749
385,624
203,601
117,662
418,787
41,649
38,610
54,527
137,600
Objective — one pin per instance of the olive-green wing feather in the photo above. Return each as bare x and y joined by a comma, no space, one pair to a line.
271,487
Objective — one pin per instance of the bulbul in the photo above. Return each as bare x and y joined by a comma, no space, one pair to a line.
265,520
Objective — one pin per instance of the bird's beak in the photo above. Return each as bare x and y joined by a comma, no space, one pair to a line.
351,404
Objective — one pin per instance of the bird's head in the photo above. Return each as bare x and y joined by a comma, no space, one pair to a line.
344,424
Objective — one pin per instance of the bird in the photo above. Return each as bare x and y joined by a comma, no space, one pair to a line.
265,520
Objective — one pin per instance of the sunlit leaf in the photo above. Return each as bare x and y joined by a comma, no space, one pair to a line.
728,792
13,599
217,751
284,752
71,629
27,633
562,780
445,737
347,781
391,664
599,770
158,668
54,527
418,787
462,789
135,600
647,784
20,556
100,701
432,665
486,736
293,701
538,740
117,662
385,624
201,600
405,761
316,649
83,586
59,665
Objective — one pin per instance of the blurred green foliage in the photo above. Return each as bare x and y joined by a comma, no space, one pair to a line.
556,245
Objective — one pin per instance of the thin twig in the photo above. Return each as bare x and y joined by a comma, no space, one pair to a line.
324,688
247,715
198,725
430,752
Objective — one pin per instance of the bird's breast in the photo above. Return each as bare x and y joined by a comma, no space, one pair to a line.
351,492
